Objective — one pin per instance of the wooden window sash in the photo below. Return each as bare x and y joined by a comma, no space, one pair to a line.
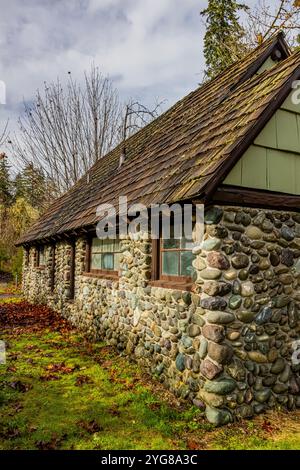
112,253
168,277
88,261
175,249
156,271
88,254
104,272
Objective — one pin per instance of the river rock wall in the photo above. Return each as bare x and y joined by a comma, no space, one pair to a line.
230,345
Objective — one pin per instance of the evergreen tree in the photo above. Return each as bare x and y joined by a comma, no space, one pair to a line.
223,42
31,185
6,187
5,200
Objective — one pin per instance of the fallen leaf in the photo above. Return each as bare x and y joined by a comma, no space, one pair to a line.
49,377
20,386
114,411
192,445
53,444
91,427
24,317
83,379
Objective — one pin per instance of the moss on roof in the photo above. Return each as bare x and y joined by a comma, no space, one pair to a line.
181,154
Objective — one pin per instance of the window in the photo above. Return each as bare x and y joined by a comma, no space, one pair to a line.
104,256
41,256
177,257
172,262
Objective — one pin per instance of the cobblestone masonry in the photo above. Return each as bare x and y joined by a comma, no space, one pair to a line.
228,345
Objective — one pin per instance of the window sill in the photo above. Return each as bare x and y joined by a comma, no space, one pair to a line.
182,286
108,277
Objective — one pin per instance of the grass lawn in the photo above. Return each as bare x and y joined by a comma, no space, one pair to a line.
58,391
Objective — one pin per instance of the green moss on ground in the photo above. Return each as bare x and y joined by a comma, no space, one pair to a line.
57,391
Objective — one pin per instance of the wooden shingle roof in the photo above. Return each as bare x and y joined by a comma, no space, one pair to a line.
187,151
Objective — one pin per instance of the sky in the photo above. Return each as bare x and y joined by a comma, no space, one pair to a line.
152,49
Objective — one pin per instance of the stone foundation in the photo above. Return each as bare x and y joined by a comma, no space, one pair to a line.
228,345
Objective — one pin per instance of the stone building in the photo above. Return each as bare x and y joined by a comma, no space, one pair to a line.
218,322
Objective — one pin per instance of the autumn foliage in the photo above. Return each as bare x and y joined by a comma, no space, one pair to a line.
24,317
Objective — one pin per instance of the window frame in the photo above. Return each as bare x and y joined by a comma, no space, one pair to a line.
167,281
38,256
89,271
169,277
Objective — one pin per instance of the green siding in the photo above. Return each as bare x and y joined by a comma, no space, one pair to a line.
267,65
281,171
268,136
287,131
290,106
297,174
254,167
273,161
236,174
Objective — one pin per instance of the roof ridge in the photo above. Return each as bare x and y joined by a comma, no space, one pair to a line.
258,79
196,126
271,41
271,71
283,90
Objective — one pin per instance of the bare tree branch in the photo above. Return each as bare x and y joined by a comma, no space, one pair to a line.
135,117
264,20
69,128
4,134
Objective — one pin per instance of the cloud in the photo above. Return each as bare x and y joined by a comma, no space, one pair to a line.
151,48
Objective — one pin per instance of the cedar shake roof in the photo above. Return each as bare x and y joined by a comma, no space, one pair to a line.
186,152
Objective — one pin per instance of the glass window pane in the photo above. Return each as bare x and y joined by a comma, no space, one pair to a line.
42,256
187,244
108,261
97,245
96,261
108,246
186,266
105,254
117,261
170,264
171,244
105,246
